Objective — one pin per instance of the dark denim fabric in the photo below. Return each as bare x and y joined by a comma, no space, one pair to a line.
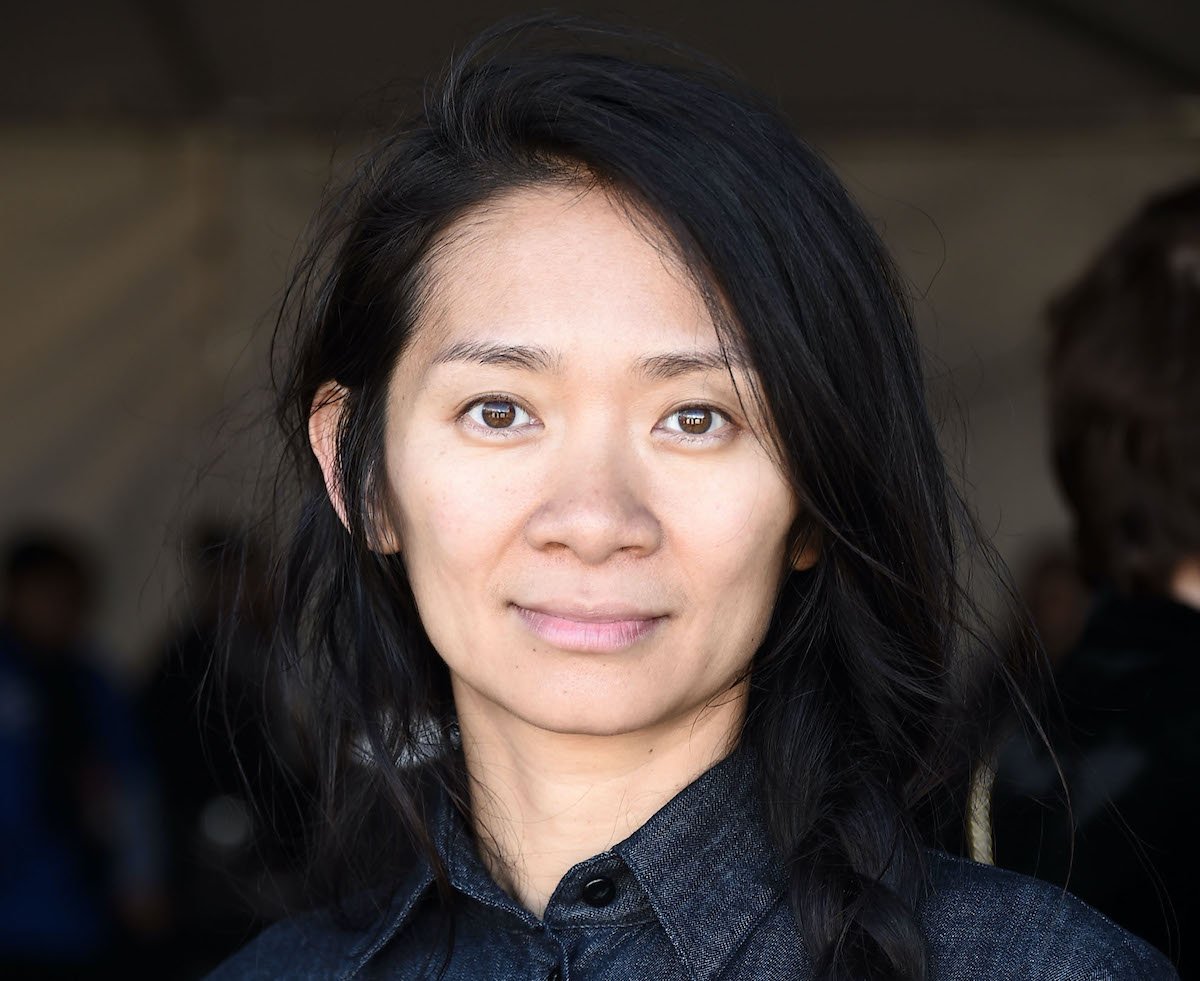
695,894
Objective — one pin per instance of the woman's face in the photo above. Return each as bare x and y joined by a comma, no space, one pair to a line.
593,535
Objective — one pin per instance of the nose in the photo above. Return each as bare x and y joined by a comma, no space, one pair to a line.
594,502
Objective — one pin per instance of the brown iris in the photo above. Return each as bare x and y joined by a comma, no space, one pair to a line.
499,415
695,421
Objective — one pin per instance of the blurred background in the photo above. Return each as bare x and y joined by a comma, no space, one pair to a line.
160,158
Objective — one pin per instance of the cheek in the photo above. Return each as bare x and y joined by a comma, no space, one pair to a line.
454,515
736,565
735,520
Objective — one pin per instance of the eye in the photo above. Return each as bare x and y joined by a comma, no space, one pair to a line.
697,421
496,413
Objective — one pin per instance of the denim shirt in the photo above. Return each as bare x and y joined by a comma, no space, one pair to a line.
696,893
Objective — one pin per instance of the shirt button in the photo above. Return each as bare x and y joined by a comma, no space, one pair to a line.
599,892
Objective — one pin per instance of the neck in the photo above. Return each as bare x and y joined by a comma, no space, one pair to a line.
544,801
1185,583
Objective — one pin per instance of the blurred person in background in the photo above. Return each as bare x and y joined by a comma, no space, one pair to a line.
216,736
80,866
1057,597
1124,389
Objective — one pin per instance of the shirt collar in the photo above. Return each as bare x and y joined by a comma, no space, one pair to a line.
704,859
703,863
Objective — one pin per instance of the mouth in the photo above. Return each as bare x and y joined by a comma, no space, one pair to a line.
601,631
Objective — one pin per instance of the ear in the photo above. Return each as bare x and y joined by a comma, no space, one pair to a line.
806,549
324,423
324,420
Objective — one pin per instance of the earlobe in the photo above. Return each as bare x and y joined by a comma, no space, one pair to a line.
324,424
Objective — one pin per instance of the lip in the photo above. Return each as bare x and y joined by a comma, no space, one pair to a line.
595,629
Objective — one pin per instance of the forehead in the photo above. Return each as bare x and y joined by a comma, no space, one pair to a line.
577,271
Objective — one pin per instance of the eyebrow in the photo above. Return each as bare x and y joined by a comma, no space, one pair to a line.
672,364
487,352
656,367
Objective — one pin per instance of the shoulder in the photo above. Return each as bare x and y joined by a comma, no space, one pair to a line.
982,921
322,944
305,947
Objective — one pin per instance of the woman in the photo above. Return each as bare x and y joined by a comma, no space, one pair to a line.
627,565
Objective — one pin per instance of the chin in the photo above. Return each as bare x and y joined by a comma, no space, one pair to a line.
612,716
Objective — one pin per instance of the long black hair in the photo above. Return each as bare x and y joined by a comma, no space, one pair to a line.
861,704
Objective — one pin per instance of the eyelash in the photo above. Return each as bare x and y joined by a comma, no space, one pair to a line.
722,433
480,427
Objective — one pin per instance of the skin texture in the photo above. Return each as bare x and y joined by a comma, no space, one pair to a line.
593,494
